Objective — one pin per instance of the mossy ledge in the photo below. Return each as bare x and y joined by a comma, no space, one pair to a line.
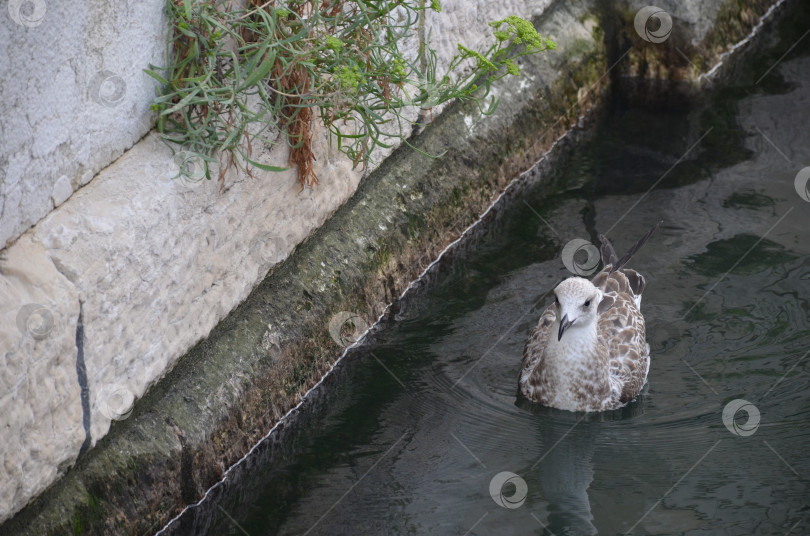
681,57
231,389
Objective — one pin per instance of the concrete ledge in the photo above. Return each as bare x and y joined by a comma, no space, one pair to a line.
703,33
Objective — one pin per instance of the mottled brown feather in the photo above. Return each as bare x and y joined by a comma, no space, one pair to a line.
622,329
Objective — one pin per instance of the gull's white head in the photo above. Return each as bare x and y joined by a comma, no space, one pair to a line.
576,300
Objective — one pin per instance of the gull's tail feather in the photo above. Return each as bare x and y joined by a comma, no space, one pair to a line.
609,254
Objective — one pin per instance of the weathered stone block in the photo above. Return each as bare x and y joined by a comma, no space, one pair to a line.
157,261
40,397
73,96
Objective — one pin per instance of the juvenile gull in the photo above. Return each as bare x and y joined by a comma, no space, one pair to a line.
588,352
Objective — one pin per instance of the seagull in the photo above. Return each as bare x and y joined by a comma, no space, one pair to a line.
588,351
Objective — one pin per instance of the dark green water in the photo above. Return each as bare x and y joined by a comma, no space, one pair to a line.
415,426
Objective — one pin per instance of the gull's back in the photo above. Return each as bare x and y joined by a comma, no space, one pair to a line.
621,328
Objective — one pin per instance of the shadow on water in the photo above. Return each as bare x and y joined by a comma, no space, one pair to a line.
408,434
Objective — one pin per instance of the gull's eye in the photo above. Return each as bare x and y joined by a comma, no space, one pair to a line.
587,303
556,300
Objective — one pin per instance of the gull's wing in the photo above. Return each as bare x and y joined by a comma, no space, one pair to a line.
533,351
621,327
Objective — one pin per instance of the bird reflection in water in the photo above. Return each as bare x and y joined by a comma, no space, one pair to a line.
564,468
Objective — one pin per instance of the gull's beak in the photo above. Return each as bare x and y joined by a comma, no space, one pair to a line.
564,324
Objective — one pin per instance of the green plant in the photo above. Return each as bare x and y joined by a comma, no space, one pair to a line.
238,75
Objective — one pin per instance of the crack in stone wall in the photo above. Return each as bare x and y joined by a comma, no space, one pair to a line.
81,374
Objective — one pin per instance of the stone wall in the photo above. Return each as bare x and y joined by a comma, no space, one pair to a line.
74,97
111,270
